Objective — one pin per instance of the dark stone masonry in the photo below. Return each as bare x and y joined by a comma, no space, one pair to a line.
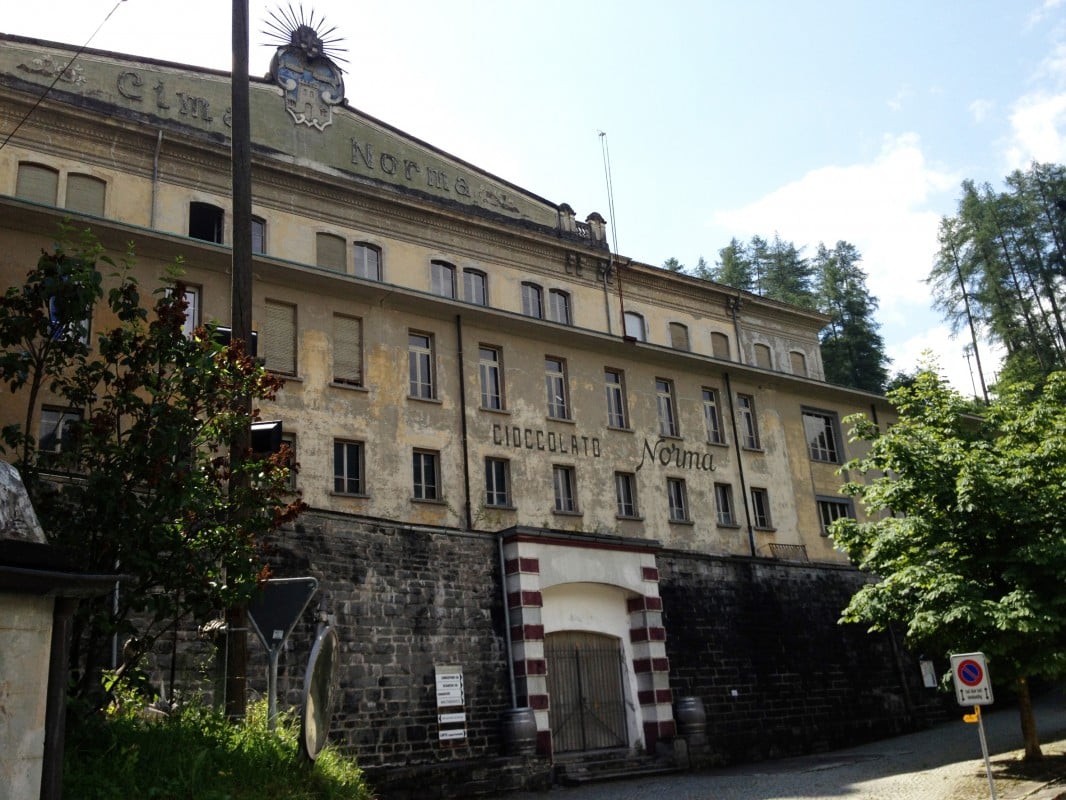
756,640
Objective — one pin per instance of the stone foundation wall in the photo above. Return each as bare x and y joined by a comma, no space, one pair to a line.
759,642
405,601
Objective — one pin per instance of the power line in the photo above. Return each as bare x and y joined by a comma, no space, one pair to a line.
59,74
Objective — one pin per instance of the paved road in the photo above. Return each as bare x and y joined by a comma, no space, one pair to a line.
943,763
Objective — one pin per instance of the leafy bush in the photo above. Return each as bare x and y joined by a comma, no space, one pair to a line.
196,753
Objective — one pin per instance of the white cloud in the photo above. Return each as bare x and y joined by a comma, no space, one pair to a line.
950,356
1046,10
1038,130
882,207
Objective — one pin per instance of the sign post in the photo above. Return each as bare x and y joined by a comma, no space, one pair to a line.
273,613
969,671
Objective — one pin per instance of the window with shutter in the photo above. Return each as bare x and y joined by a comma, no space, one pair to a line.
799,363
38,183
280,337
347,350
679,336
720,345
330,252
86,194
762,357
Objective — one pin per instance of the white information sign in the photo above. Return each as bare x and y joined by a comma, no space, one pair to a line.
456,718
450,686
452,733
969,671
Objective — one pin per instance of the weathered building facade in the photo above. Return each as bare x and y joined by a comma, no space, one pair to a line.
516,445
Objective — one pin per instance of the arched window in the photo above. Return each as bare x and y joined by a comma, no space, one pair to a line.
763,357
330,252
532,300
719,345
85,194
38,183
206,222
799,363
679,336
634,325
367,261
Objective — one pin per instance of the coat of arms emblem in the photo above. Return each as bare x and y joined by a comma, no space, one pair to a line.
303,68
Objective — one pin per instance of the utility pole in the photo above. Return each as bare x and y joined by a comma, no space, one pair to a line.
241,327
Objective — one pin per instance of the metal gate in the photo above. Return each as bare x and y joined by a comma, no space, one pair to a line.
587,709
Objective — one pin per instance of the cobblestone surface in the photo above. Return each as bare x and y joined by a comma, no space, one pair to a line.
943,763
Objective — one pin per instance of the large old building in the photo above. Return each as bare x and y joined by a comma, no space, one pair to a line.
521,451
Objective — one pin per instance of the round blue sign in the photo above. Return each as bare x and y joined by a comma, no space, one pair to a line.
970,672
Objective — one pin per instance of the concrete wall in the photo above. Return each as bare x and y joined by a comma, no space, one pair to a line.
25,644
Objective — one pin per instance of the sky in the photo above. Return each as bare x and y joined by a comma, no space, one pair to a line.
816,120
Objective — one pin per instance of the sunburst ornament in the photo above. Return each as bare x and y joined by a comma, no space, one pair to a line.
291,28
304,67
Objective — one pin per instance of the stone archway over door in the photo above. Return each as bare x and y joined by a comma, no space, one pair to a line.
585,677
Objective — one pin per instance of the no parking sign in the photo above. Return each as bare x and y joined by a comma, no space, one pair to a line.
970,674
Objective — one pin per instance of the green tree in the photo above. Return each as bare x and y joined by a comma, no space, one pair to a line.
966,540
787,274
734,267
143,482
852,350
673,265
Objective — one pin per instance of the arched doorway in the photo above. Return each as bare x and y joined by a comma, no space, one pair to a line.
585,679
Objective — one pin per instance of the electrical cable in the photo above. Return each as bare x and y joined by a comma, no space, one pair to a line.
59,74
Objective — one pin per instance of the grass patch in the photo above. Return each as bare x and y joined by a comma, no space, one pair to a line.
196,753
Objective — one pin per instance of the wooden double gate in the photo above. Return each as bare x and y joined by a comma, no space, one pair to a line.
587,706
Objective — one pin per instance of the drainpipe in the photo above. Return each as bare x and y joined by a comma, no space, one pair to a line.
733,304
606,293
155,176
740,464
462,417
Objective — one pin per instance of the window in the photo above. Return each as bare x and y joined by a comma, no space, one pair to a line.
563,481
426,472
86,194
259,235
330,252
820,428
720,345
798,362
67,319
762,357
625,492
280,337
830,510
347,350
367,261
760,508
442,278
664,400
559,306
57,427
38,183
679,336
497,483
749,429
617,413
348,467
532,300
420,365
723,504
475,287
634,326
289,441
192,309
712,416
678,497
555,384
491,379
206,222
